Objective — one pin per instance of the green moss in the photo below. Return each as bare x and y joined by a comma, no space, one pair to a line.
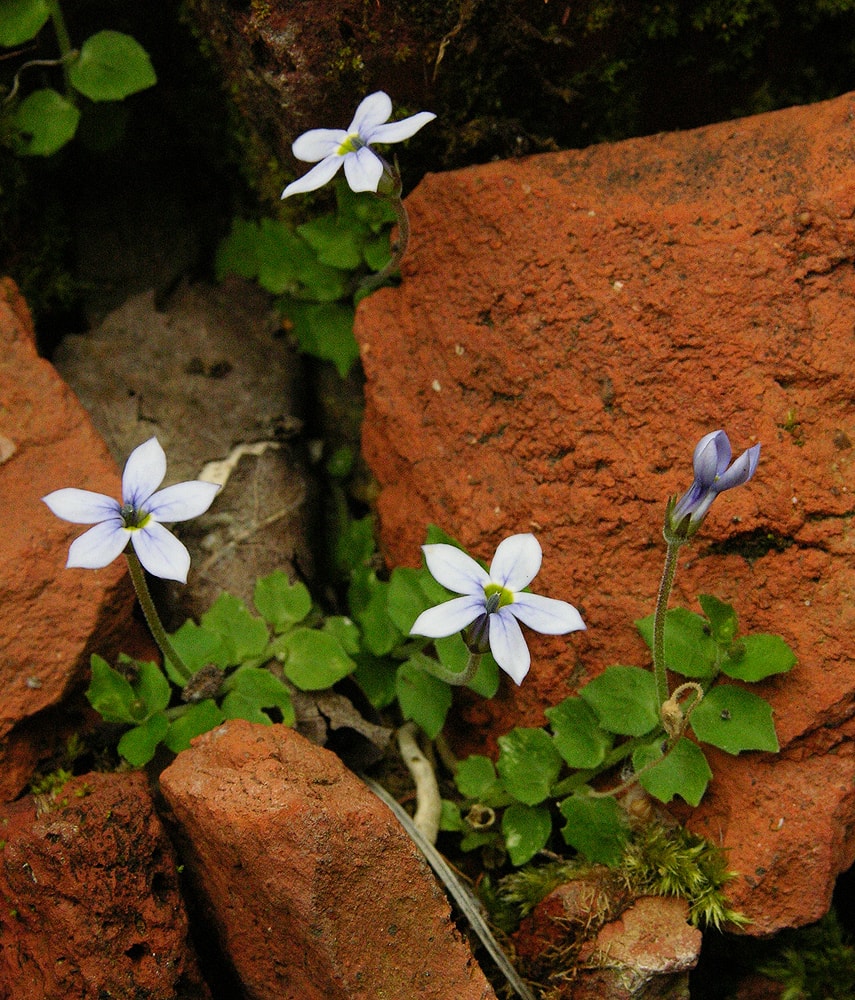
675,862
815,963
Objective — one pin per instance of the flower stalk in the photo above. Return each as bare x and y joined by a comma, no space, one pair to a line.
152,617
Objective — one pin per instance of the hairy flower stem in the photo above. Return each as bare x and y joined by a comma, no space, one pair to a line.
665,585
152,617
399,248
457,679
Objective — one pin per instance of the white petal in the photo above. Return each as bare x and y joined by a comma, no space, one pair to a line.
98,546
398,131
363,170
712,453
741,470
546,615
318,144
516,562
508,645
144,472
448,618
161,553
316,177
372,111
82,506
182,501
455,570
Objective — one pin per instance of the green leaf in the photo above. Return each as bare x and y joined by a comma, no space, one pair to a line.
526,830
280,602
690,650
325,330
528,764
596,827
238,253
263,689
344,631
486,679
476,778
334,244
758,656
199,718
370,609
109,693
376,675
450,820
138,745
246,636
151,687
624,699
43,123
422,697
281,257
406,598
684,772
315,659
238,706
111,66
355,545
21,20
377,252
578,737
198,647
722,618
734,720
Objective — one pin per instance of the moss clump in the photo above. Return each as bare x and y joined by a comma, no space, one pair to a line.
815,963
666,862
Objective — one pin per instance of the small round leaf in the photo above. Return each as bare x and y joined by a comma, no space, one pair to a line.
111,66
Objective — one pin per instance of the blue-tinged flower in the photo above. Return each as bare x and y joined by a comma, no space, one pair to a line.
137,519
712,476
494,603
335,147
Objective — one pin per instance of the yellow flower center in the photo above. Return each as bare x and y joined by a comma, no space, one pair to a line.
351,144
494,590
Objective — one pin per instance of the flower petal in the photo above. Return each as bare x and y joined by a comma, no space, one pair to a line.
316,177
98,546
546,615
161,553
516,562
712,453
741,470
456,570
398,131
372,111
182,501
363,170
448,618
318,143
144,472
508,645
82,506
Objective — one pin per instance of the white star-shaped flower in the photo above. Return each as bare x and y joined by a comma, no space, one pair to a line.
137,519
351,148
495,602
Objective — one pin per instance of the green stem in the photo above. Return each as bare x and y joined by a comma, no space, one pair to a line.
63,39
399,248
152,617
665,585
458,678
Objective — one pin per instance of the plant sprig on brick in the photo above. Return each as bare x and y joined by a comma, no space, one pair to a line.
108,66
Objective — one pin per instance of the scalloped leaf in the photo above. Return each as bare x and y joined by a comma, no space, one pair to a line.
734,720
